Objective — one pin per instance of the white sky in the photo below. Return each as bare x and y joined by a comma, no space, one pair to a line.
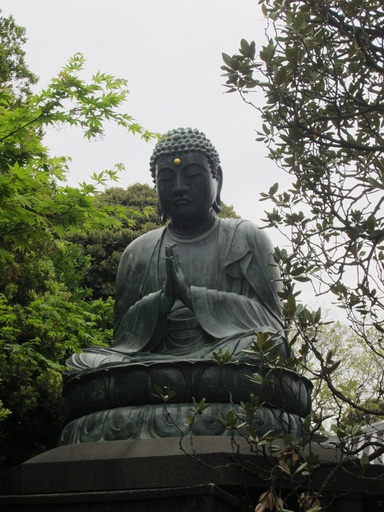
170,51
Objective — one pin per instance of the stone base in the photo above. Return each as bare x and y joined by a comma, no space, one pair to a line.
203,473
129,465
204,498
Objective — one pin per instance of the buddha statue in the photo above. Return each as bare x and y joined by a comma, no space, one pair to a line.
198,287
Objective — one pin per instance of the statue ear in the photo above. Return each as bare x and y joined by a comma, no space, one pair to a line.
217,203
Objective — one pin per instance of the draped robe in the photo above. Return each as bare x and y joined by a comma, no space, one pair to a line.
234,286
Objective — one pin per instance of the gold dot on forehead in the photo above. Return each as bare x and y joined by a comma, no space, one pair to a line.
177,161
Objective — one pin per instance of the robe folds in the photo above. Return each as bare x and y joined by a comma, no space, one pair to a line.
238,300
234,285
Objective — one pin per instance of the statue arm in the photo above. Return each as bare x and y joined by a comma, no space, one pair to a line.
250,261
139,306
137,325
226,314
248,298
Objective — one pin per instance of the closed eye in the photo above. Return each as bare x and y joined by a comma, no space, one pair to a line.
193,171
165,175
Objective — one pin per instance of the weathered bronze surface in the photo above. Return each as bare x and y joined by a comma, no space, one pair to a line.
184,292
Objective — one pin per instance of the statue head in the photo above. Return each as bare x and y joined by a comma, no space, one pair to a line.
186,145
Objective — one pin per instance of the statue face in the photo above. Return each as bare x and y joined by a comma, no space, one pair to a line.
185,187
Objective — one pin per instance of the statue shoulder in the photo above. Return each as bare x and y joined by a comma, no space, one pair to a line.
246,229
144,244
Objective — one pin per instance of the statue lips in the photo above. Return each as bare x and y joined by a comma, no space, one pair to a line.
180,201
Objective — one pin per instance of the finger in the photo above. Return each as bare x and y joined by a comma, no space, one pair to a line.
171,249
176,257
168,251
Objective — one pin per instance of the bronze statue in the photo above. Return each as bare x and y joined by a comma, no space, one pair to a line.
183,292
199,284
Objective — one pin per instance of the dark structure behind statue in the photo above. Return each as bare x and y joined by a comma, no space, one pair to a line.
195,288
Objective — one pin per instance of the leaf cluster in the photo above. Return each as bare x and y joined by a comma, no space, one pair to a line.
15,76
322,74
136,210
46,309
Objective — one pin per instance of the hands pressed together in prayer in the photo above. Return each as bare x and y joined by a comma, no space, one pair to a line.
176,285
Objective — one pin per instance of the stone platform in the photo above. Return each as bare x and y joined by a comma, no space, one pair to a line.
204,498
205,474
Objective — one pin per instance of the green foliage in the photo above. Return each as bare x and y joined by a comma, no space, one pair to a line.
15,77
322,75
137,211
71,100
321,72
46,309
33,206
227,212
357,418
45,315
346,373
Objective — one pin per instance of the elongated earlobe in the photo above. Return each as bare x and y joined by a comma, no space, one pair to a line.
216,206
217,203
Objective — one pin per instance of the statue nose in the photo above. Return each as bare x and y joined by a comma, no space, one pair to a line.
180,186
